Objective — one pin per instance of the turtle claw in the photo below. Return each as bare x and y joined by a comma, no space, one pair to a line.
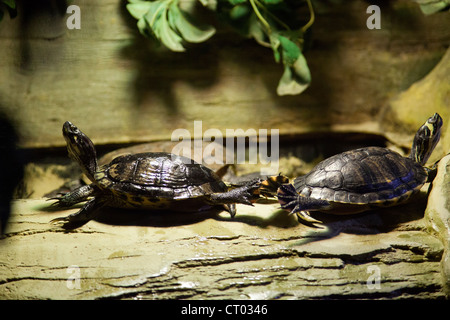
69,199
81,217
68,223
60,201
63,222
245,199
231,208
57,204
304,216
242,195
60,221
251,191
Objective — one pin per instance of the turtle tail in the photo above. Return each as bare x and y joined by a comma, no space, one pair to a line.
287,197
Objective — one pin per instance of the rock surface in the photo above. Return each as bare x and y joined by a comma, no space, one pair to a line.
109,83
438,214
263,253
430,94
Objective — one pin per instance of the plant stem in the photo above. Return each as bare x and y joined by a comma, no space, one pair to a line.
259,15
284,25
311,19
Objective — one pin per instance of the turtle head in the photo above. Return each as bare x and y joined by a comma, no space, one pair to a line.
426,139
80,149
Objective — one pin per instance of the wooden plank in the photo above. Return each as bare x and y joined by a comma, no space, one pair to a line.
107,79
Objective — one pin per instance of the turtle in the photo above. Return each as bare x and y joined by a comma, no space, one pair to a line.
363,179
150,180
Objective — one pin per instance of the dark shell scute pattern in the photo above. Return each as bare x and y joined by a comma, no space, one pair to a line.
159,175
363,176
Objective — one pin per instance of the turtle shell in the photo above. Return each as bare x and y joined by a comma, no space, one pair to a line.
370,176
155,180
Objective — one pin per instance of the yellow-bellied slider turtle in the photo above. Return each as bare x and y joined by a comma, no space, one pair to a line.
152,180
361,179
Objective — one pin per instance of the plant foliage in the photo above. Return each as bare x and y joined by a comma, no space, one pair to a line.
433,6
164,21
267,21
10,6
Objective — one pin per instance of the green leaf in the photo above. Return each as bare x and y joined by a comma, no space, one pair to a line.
275,44
149,24
301,69
288,85
235,2
149,16
145,30
169,37
210,4
239,11
10,7
272,1
164,21
10,3
290,50
257,31
154,22
139,9
188,30
155,13
431,7
295,79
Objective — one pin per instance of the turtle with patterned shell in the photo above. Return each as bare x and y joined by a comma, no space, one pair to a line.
151,180
359,180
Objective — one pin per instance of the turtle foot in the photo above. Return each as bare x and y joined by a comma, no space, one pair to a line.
59,202
67,223
303,216
81,217
248,192
60,222
69,199
271,184
231,208
243,195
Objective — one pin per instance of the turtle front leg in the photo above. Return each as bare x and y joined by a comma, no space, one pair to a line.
84,215
244,195
290,200
69,199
